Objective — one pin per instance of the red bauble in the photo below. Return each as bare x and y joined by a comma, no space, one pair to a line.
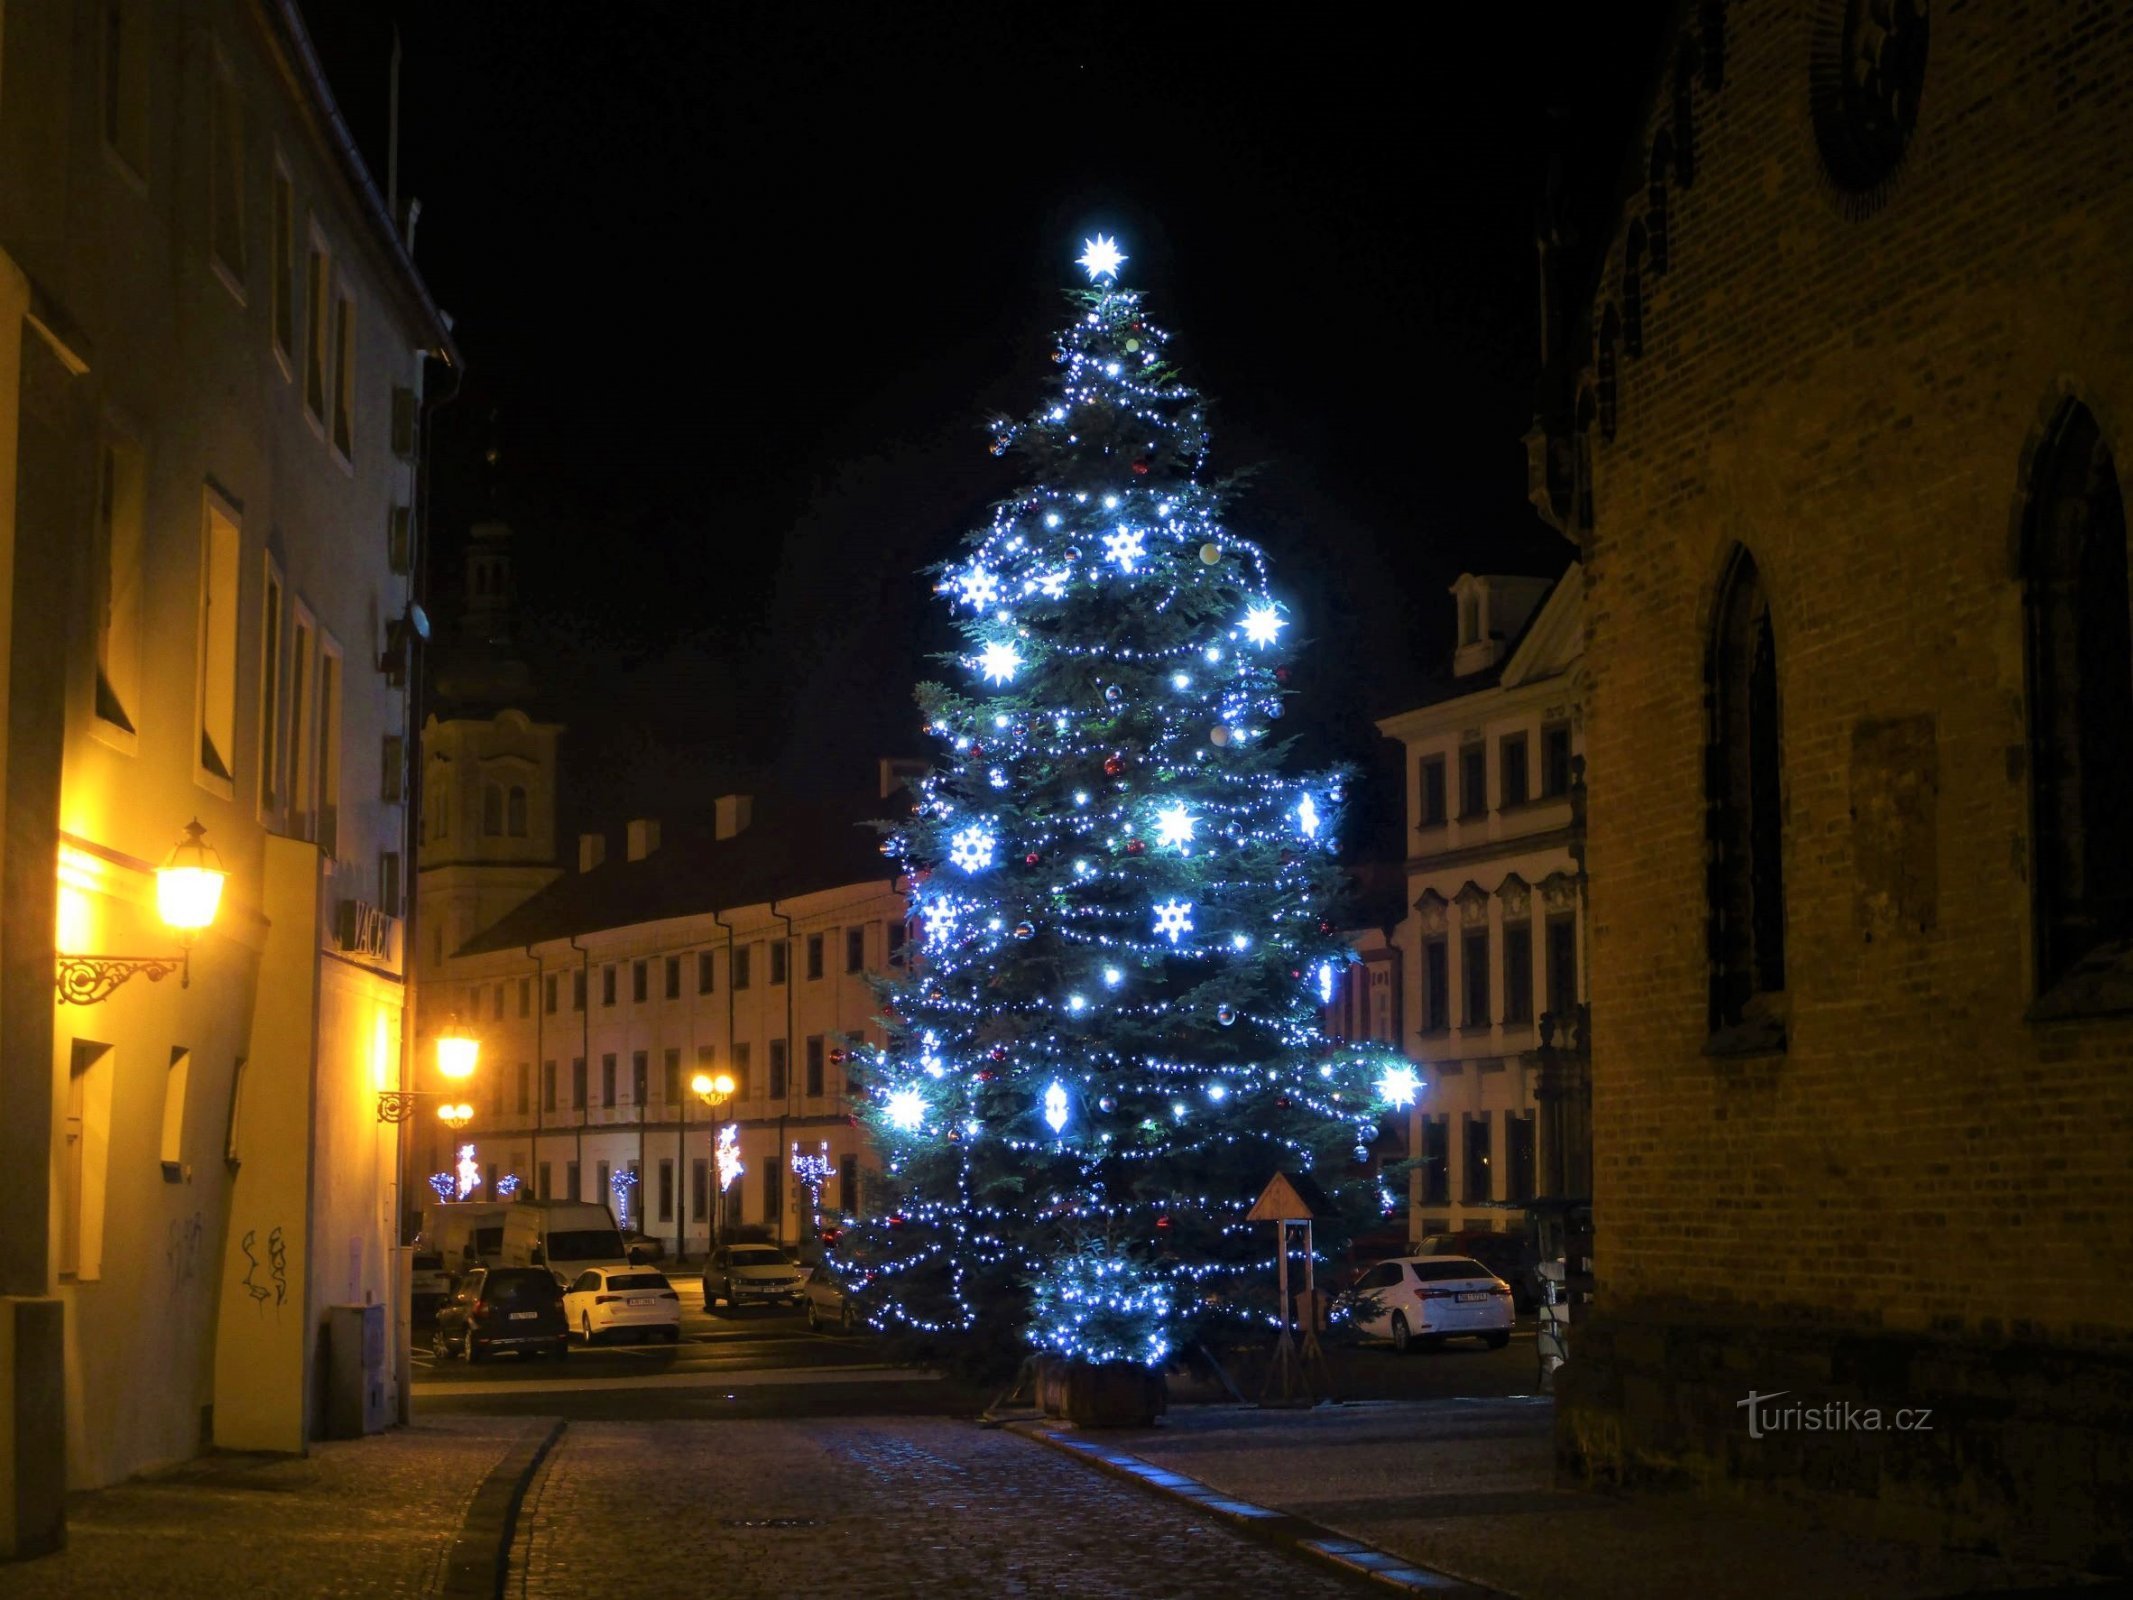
1281,674
1113,766
838,1058
1031,859
977,752
1162,1224
1324,926
1140,469
999,1052
1135,846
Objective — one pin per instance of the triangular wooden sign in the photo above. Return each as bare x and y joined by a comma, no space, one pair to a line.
1280,1202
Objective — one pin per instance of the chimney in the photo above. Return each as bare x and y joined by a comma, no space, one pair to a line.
592,850
644,837
734,812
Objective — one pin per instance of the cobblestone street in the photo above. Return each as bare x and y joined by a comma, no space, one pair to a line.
884,1507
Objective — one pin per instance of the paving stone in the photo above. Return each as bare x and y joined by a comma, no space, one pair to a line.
750,1510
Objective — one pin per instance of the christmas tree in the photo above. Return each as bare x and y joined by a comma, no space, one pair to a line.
1108,1036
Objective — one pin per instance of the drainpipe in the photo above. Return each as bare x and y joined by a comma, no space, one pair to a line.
785,1172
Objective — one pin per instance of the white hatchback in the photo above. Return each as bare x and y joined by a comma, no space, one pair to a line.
1428,1299
602,1300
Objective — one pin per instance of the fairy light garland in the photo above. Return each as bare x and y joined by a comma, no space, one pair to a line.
1108,1035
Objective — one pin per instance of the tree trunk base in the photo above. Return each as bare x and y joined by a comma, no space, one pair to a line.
1111,1394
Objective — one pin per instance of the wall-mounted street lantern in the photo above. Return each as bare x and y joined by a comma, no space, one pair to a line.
458,1054
713,1091
188,893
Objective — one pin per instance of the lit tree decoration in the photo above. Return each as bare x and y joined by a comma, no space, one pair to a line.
1109,1037
468,1170
623,1183
812,1168
445,1184
728,1154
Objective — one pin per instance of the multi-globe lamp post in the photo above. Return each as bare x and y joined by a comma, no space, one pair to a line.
716,1090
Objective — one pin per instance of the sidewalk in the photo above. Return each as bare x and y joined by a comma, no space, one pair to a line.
1466,1488
360,1517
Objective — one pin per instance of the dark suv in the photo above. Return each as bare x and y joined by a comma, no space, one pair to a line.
502,1308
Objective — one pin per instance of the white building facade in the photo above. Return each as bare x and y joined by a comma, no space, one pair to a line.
1494,936
212,355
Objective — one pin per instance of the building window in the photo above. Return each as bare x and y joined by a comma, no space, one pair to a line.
126,46
1518,1153
389,883
226,180
1555,759
119,524
515,812
1477,1186
605,1194
216,694
298,789
2080,696
848,1185
492,810
546,1174
1474,975
666,1191
607,1080
318,277
525,1087
814,1063
640,1077
777,962
1432,792
607,985
1562,968
743,1054
548,994
84,1161
673,977
699,1189
1747,886
777,1069
1511,769
344,374
577,990
392,768
670,1072
326,768
773,1189
271,693
1518,972
896,933
640,981
525,997
1470,618
704,971
741,965
496,1003
547,1085
1436,1160
1473,781
814,956
573,1190
281,293
1436,986
855,949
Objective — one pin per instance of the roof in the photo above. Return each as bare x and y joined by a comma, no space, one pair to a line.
307,78
789,849
1441,685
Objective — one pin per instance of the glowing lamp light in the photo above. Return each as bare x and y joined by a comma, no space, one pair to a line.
1055,1106
455,1115
1400,1086
1101,258
458,1051
189,883
1262,624
713,1088
1174,825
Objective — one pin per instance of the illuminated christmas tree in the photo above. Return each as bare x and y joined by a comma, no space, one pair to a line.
1108,1039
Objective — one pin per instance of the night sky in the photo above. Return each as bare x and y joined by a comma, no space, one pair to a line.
739,287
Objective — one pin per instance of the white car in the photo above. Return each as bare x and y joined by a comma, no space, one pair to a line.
629,1300
1428,1299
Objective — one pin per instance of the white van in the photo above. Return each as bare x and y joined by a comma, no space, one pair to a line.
466,1233
565,1236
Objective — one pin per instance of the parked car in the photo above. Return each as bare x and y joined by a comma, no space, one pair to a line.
1427,1299
630,1300
502,1308
429,1284
1513,1257
642,1248
743,1274
829,1300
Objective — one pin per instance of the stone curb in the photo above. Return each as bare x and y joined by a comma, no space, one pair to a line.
1279,1528
479,1562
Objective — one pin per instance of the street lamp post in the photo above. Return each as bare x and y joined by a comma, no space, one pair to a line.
714,1090
188,893
458,1054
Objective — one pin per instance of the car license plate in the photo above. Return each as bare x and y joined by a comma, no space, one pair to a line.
639,1300
524,1316
1471,1294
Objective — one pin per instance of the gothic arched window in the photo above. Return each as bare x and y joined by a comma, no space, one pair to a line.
1744,800
2080,695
